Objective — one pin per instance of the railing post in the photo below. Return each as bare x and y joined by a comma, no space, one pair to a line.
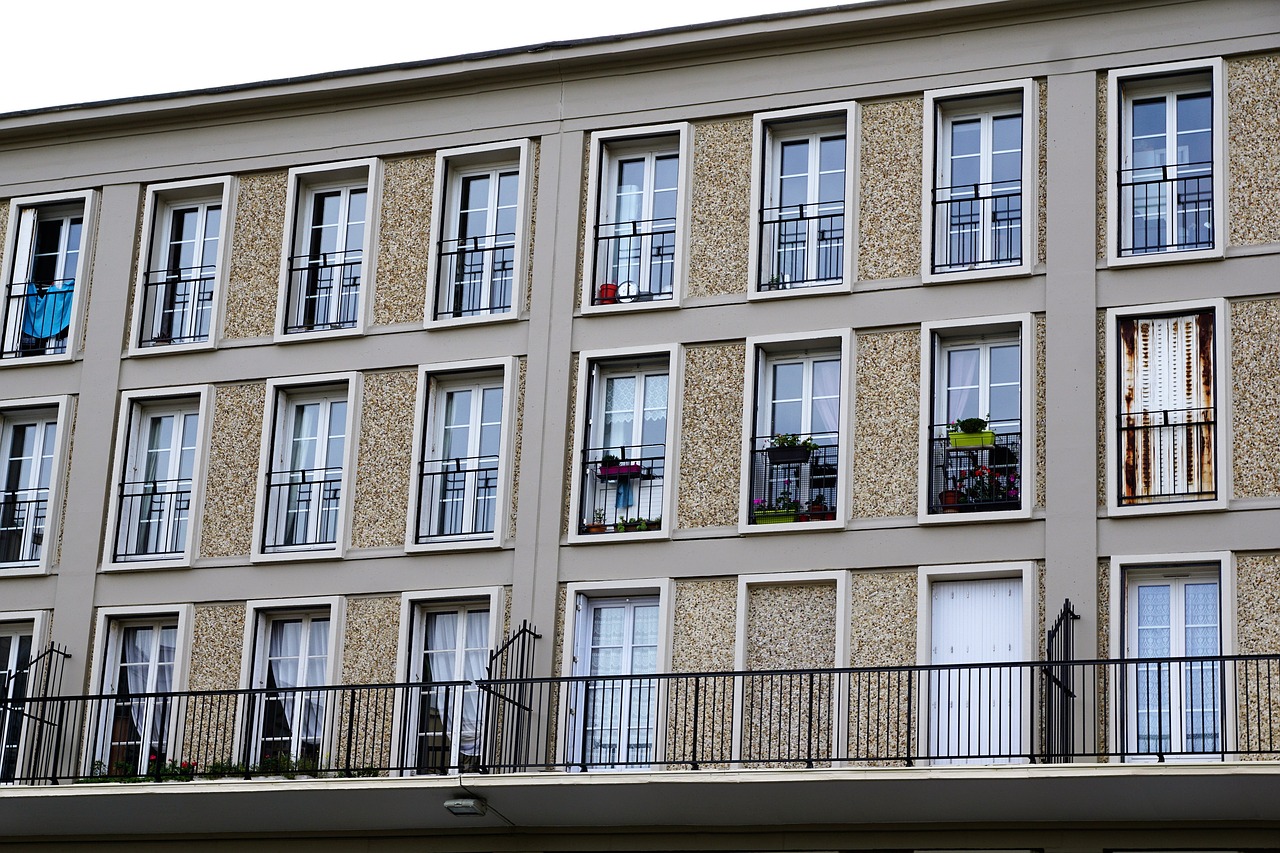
809,732
693,746
351,731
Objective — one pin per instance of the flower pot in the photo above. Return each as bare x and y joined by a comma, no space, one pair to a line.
594,528
949,498
615,472
774,516
788,455
608,294
985,438
824,514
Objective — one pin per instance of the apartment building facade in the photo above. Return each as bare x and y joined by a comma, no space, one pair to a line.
827,431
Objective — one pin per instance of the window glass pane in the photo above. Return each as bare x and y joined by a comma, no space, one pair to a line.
337,429
1006,133
654,427
629,191
619,410
355,220
1006,363
324,223
1153,621
491,421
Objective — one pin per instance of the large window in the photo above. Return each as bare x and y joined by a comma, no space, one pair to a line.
41,284
451,648
15,655
458,487
290,670
28,446
134,732
477,254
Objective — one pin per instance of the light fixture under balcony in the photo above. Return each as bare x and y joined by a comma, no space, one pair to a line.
467,806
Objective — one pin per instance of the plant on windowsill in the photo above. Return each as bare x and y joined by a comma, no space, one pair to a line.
788,448
818,509
783,510
597,524
971,432
637,525
614,468
989,489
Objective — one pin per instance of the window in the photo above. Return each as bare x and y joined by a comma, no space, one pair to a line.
15,657
28,448
624,459
135,730
1164,409
1166,195
40,288
307,461
981,156
178,289
802,233
327,253
451,645
290,705
638,218
978,414
156,479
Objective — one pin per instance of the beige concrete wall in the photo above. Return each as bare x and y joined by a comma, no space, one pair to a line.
385,459
231,483
1042,420
886,424
1104,610
533,223
517,444
1255,398
719,227
1100,152
404,240
65,474
791,626
704,625
4,229
891,153
883,623
1257,604
256,237
217,646
570,445
711,435
1253,150
1100,389
1042,169
370,637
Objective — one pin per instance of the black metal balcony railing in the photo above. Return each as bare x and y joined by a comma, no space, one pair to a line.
1194,708
37,316
1167,455
622,488
801,245
152,520
977,225
1166,208
975,472
22,522
476,275
324,292
457,497
634,261
302,508
794,483
177,306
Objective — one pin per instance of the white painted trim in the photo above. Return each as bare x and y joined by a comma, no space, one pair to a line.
1025,570
934,106
788,343
159,198
39,620
182,652
64,404
487,154
1222,472
602,140
255,610
1215,68
929,332
509,367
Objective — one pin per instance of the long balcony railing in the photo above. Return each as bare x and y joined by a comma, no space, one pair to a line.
1167,455
177,306
801,245
457,498
152,521
1166,208
324,292
476,275
977,225
37,317
23,513
622,488
302,509
1160,709
975,472
794,483
634,261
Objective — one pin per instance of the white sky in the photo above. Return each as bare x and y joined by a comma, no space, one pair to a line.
101,49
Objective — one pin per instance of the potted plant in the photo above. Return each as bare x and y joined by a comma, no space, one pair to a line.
970,432
788,448
608,294
990,489
818,509
782,511
614,468
597,524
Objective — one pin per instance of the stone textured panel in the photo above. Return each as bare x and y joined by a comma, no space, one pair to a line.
66,478
235,439
711,435
517,445
791,626
1101,390
1042,169
1255,398
1253,154
404,240
1042,424
217,646
566,511
385,459
719,227
1257,632
585,215
883,624
705,627
257,232
1104,609
889,189
370,639
4,229
886,419
1100,143
531,242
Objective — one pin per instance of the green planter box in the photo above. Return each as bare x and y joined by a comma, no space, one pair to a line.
774,516
973,439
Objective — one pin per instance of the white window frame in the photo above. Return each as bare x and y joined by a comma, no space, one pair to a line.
64,406
759,350
582,434
1147,80
575,593
939,106
39,622
432,379
1222,468
1120,567
134,405
769,130
9,276
280,398
999,326
606,147
304,181
452,165
157,213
